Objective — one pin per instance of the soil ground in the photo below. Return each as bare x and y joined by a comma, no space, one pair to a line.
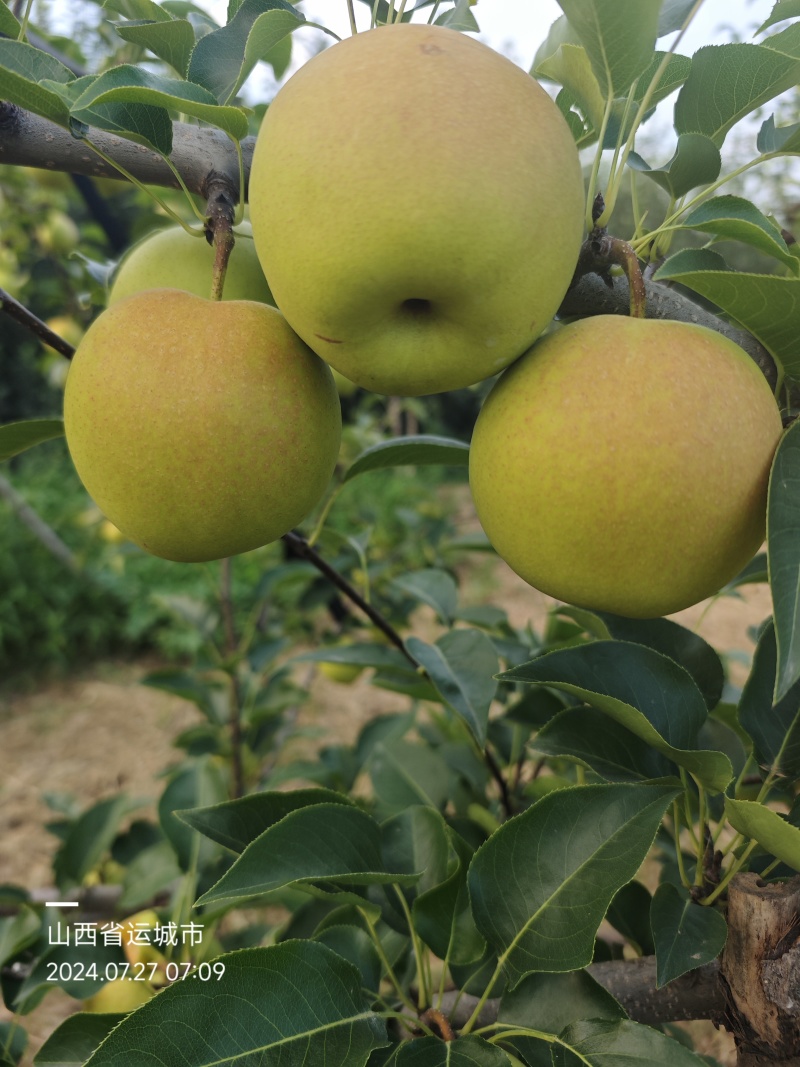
101,732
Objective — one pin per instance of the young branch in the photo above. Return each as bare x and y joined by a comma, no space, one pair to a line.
301,548
26,318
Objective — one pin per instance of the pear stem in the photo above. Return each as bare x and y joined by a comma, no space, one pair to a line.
221,210
600,251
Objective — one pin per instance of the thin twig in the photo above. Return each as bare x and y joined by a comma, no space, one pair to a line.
497,774
304,550
26,318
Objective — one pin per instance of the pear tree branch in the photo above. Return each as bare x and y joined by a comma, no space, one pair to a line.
206,160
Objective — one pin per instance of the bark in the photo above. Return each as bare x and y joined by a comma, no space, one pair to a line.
696,995
760,971
200,154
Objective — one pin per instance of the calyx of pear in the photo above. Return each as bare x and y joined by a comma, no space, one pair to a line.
622,464
200,428
173,259
417,206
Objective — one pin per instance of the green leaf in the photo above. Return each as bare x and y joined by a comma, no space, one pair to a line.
687,648
598,1043
89,838
143,123
696,162
460,18
414,841
783,555
560,33
127,84
672,15
290,1003
237,823
618,35
548,1003
784,139
22,68
588,737
355,946
9,25
686,934
643,691
442,914
17,932
138,9
629,914
468,1051
765,305
767,827
153,871
556,868
569,65
783,9
422,450
735,219
223,59
171,41
434,587
72,1043
16,437
405,773
727,82
461,666
13,1043
197,784
774,728
326,842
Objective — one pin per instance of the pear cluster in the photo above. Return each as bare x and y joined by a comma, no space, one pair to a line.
416,203
417,211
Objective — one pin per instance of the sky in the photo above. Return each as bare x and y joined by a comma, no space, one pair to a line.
517,27
514,27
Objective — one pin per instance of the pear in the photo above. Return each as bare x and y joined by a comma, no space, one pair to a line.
200,428
622,464
417,205
173,259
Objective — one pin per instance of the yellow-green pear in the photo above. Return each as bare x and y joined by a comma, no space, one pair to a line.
622,464
173,259
200,428
122,995
417,205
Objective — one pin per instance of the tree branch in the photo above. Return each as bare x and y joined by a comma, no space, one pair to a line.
206,157
696,995
200,154
26,318
38,527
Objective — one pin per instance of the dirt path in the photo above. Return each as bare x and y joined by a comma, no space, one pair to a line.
101,733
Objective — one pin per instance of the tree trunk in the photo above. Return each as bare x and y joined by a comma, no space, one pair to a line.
760,971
